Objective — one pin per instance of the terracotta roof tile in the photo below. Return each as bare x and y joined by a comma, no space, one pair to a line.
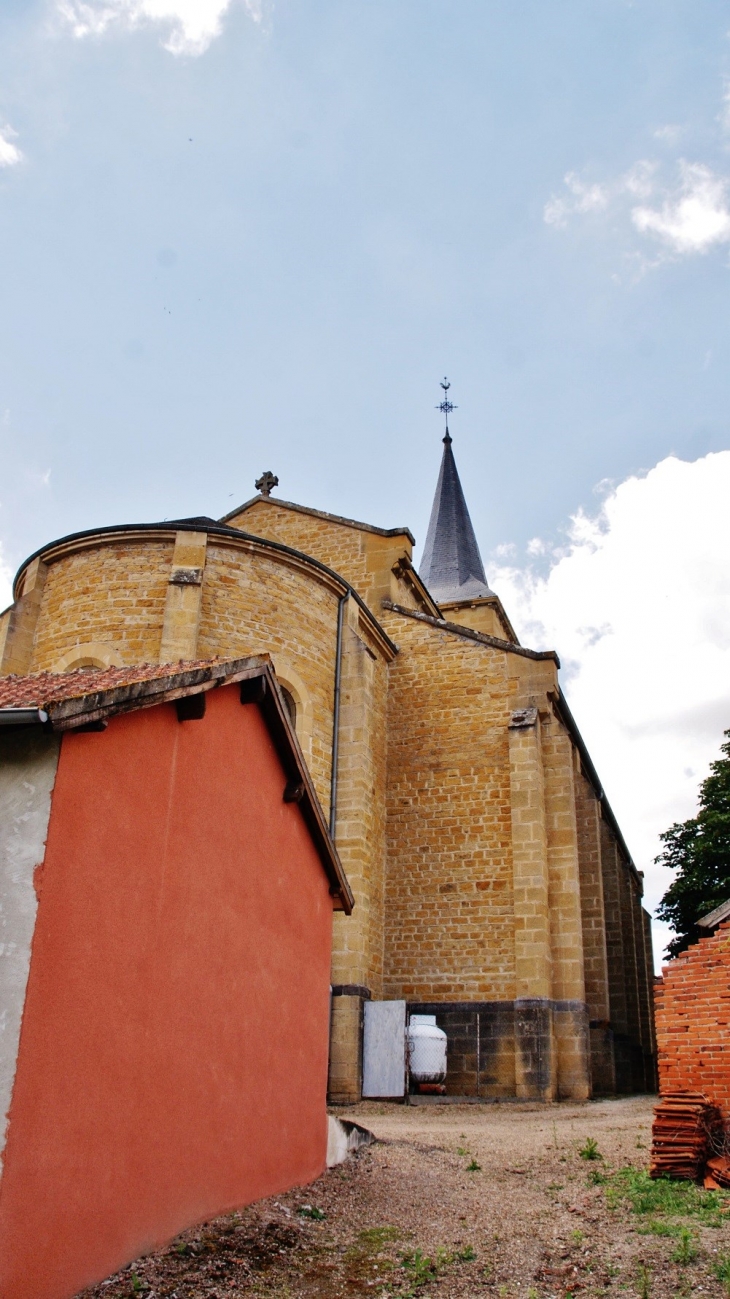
43,688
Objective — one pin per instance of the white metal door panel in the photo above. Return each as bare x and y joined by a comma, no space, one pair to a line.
384,1049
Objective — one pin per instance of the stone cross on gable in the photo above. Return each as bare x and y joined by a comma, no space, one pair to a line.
265,483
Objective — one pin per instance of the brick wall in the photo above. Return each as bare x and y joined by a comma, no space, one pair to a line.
693,1018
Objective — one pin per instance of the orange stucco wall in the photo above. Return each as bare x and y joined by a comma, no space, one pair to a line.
173,1052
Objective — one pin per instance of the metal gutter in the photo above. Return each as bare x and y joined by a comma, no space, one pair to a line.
22,717
336,717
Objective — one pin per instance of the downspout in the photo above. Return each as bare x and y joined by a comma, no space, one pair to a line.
336,714
23,716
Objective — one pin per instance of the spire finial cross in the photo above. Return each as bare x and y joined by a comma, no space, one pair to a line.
446,407
265,483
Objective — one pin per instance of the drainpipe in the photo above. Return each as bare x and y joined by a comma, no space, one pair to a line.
336,714
22,716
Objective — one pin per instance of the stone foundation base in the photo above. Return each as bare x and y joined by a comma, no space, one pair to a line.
532,1049
344,1085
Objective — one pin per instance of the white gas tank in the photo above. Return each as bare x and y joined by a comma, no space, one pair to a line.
426,1049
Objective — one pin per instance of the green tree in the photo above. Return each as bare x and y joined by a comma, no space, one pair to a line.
699,851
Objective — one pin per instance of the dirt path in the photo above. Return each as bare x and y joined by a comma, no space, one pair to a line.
457,1201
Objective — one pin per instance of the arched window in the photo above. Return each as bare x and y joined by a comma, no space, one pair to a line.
290,704
92,654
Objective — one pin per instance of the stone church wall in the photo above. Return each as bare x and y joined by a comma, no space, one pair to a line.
364,556
490,888
449,932
114,594
255,604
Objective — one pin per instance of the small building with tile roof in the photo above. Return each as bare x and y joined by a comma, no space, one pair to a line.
493,887
167,894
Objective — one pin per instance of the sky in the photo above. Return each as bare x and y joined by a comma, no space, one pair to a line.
239,235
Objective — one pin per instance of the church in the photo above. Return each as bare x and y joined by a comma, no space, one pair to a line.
492,884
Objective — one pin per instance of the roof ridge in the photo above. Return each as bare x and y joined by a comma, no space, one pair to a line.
321,514
495,642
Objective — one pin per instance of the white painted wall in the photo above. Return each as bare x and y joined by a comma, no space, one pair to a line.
28,762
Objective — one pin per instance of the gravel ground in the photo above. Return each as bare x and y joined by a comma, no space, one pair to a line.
454,1201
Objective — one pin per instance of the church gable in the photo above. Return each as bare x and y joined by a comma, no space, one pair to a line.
377,562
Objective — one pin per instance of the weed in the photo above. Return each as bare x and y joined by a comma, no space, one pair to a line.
311,1211
722,1270
590,1149
577,1236
461,1150
643,1275
596,1177
378,1235
421,1268
664,1198
473,1167
138,1284
657,1228
532,1293
686,1251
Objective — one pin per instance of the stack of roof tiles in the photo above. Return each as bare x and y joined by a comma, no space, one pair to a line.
682,1135
717,1173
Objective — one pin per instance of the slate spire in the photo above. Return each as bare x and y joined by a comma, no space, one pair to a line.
451,566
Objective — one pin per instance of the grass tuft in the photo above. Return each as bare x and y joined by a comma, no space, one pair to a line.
686,1251
664,1198
644,1281
722,1270
590,1149
378,1235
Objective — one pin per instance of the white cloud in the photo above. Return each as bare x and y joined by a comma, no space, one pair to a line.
581,197
191,24
691,215
638,608
584,199
695,217
669,134
10,154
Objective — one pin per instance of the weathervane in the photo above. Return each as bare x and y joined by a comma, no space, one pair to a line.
446,407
